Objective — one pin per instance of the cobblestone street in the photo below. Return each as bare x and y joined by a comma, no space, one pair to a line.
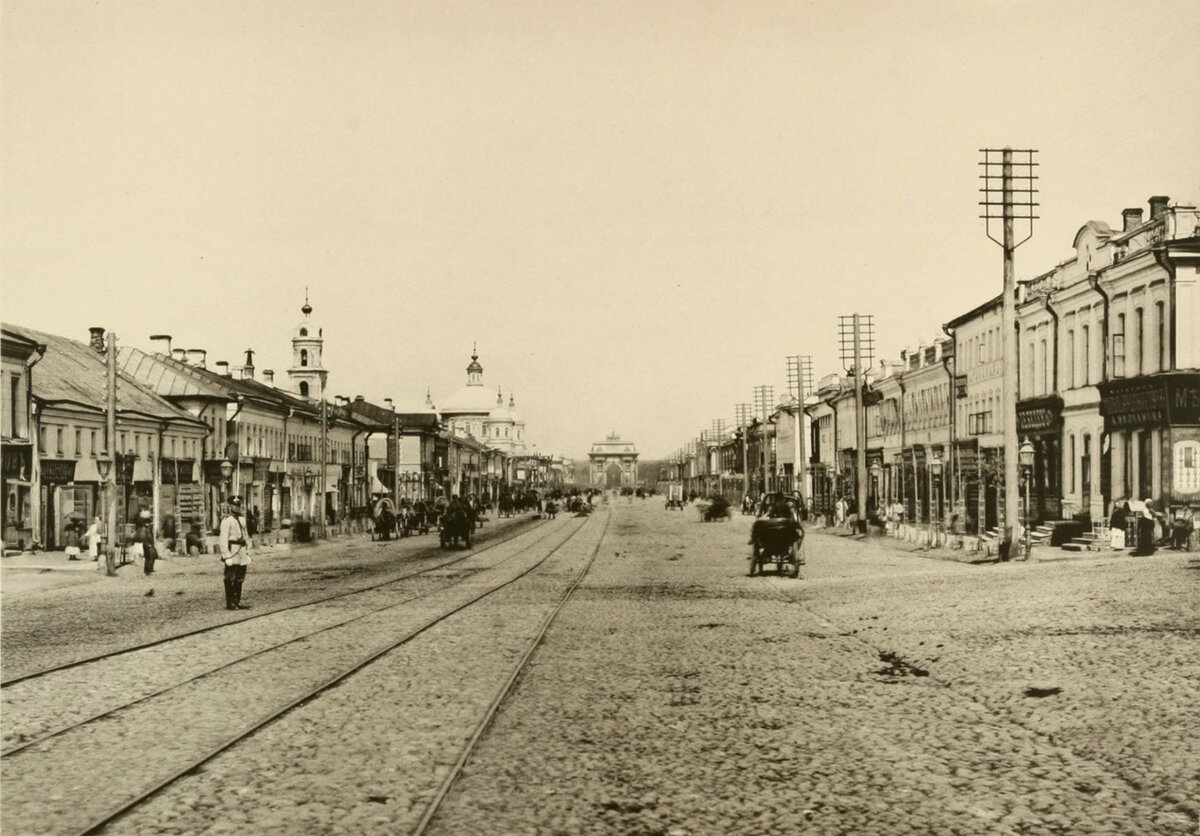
883,692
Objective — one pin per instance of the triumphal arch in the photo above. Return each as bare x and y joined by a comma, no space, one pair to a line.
614,463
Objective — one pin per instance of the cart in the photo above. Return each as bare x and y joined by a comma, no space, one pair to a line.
778,543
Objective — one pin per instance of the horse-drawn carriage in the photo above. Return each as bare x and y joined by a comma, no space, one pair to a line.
675,497
383,520
778,542
716,509
456,525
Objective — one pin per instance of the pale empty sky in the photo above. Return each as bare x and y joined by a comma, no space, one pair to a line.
636,208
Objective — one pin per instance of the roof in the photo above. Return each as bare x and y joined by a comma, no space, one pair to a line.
168,379
994,302
19,346
72,372
382,417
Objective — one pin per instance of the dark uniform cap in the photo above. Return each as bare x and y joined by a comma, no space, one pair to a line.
237,500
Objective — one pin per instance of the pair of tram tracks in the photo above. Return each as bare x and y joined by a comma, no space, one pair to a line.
304,636
209,628
310,693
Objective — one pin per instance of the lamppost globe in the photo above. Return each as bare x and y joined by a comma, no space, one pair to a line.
103,466
935,466
226,469
1025,454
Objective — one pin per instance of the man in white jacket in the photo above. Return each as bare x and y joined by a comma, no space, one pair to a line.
234,545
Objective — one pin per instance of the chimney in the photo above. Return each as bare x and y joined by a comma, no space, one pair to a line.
1158,206
178,354
96,341
269,376
359,399
248,369
1131,218
197,357
165,343
223,368
247,372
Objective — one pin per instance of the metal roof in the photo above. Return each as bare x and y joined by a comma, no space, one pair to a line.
73,372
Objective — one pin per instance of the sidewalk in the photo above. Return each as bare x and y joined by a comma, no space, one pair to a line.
1040,554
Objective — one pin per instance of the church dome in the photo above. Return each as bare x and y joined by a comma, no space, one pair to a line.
472,399
516,417
306,329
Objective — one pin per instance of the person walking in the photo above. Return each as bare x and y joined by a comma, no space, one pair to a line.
145,536
93,537
234,547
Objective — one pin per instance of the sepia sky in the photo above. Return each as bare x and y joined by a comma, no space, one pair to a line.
637,209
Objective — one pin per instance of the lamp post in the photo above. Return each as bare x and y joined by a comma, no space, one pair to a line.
104,468
226,474
935,509
1025,454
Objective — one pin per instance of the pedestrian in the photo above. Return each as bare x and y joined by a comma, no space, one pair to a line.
1181,528
72,534
234,547
144,534
1117,523
1147,529
839,512
92,536
252,521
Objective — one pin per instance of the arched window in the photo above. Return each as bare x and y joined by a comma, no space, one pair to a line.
304,332
304,388
1139,336
304,357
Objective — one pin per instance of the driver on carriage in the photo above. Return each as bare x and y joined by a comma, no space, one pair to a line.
780,509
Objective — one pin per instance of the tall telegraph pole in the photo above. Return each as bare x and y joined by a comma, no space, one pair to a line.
1009,191
110,486
764,397
857,337
799,368
741,414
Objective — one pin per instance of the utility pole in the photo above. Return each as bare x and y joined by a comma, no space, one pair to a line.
1016,178
322,533
799,384
857,337
718,435
110,485
764,397
741,414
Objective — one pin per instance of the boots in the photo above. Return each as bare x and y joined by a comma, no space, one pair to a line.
230,601
237,597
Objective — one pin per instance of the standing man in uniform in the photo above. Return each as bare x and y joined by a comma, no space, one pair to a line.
234,546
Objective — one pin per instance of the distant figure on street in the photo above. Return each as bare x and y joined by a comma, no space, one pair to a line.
1117,523
839,511
144,534
72,534
234,546
93,538
1147,529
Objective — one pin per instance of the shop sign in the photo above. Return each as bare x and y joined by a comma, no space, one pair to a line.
262,469
18,461
968,460
1039,416
1155,401
1136,403
1185,470
57,471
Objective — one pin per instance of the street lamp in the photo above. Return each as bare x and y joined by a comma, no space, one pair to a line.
1025,456
104,468
226,474
935,516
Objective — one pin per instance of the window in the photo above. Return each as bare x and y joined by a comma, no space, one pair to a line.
304,357
1071,464
14,427
1160,324
58,442
1118,347
172,448
304,387
304,332
1086,339
1139,343
78,443
92,447
1070,359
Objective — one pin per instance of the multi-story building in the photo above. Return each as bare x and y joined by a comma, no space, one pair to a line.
153,456
21,514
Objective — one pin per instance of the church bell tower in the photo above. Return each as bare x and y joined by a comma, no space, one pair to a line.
307,374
